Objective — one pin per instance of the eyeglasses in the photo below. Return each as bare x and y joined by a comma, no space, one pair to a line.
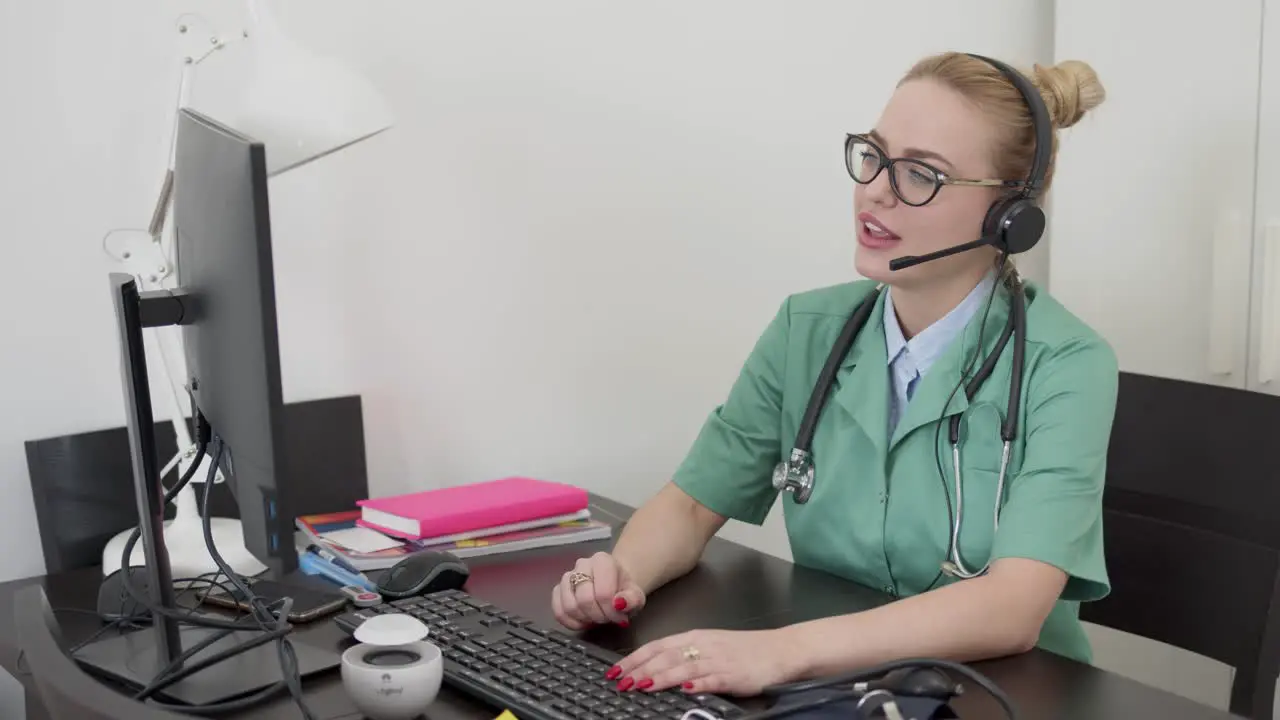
914,182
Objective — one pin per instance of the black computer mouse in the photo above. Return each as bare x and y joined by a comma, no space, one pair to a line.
425,571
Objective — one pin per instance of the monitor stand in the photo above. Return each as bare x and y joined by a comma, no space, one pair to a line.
132,659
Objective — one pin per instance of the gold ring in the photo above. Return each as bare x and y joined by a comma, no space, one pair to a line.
576,578
690,653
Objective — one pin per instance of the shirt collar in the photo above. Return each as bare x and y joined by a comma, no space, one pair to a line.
926,346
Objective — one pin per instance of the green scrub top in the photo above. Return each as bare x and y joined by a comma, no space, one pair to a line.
878,514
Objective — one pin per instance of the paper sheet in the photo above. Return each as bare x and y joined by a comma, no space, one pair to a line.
361,539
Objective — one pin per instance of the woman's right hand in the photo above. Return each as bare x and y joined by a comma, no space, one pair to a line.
597,590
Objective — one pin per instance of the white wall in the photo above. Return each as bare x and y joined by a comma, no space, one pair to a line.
623,197
555,263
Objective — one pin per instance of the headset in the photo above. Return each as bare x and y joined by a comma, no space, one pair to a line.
1013,224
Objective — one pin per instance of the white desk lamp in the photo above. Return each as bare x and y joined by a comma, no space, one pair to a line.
301,107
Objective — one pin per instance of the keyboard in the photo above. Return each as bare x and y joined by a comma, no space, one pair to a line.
536,672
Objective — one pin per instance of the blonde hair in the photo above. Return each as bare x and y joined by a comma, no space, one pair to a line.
1069,89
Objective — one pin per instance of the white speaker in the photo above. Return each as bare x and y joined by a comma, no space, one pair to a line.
394,673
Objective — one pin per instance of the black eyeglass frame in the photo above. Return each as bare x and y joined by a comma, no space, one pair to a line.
940,178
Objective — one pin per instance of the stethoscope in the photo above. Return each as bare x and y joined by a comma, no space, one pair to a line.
796,473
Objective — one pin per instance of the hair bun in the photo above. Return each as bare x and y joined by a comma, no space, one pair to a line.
1070,89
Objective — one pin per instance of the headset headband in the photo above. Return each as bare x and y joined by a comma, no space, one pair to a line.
1039,121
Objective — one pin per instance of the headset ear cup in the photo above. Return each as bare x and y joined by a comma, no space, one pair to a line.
1015,223
991,223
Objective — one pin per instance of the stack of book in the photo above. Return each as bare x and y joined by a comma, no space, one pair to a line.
495,516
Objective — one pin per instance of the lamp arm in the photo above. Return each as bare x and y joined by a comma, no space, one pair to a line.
160,213
174,391
160,270
157,266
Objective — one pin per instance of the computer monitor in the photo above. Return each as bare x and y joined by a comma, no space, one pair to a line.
225,305
223,246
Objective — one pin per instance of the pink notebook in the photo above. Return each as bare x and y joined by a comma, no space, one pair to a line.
464,508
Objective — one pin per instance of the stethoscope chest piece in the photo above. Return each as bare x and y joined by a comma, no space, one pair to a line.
795,475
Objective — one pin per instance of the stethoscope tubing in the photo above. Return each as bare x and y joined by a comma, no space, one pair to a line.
796,473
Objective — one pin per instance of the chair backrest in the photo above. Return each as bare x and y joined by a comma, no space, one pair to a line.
82,484
1192,525
66,691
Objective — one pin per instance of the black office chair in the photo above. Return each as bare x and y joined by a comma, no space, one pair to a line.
82,484
1192,525
66,691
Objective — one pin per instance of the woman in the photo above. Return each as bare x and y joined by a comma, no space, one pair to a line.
881,507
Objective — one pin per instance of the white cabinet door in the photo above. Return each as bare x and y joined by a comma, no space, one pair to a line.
1152,203
1264,356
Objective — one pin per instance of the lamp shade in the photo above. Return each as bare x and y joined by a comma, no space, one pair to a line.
300,105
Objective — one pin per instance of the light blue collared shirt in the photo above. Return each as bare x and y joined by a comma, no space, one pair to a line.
910,359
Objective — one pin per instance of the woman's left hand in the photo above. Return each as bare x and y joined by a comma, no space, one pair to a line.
729,662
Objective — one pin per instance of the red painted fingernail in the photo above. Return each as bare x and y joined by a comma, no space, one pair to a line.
688,684
624,623
619,603
614,672
645,683
625,683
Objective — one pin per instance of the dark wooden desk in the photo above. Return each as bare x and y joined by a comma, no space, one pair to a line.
733,587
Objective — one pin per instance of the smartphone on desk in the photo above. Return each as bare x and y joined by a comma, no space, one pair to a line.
308,603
